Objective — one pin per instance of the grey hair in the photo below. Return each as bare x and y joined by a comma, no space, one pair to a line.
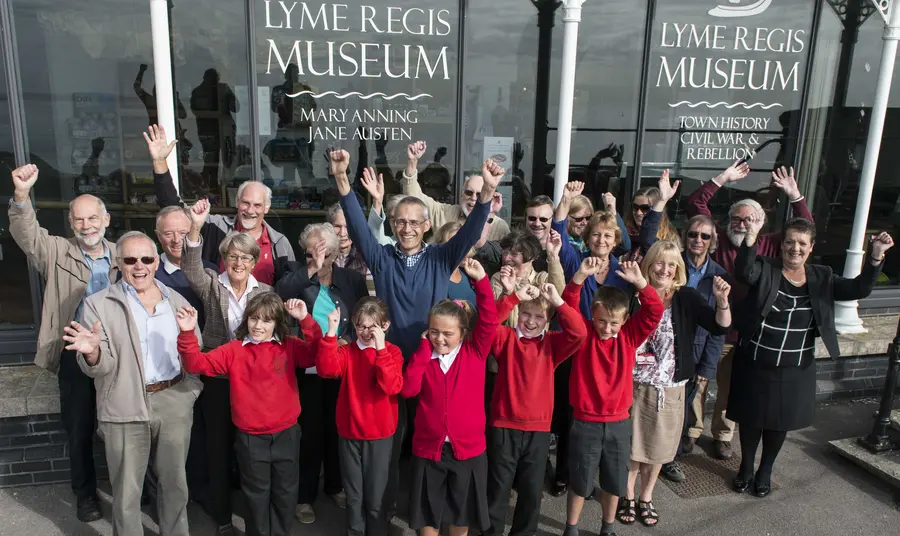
323,230
392,203
410,200
242,242
332,211
748,203
173,209
244,184
702,219
120,243
100,203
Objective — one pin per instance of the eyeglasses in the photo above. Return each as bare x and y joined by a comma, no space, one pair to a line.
535,218
365,328
581,219
131,261
695,234
640,208
244,259
469,193
412,224
737,221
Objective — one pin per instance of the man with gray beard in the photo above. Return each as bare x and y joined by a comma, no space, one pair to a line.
743,216
73,268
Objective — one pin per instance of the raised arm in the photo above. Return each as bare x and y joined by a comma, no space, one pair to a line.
410,182
650,225
412,378
213,363
197,277
748,266
568,256
698,202
357,227
33,240
388,368
163,184
374,184
572,190
556,276
861,286
783,179
331,359
486,325
644,321
716,319
303,352
574,330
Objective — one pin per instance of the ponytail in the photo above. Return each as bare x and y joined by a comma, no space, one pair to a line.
461,310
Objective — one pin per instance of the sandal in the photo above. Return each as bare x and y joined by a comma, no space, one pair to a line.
626,510
647,513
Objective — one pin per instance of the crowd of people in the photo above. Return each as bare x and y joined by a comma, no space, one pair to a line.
475,349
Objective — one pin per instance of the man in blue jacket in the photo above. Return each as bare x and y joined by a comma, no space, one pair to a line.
700,241
410,276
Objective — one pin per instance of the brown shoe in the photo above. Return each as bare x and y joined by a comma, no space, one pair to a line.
687,444
722,449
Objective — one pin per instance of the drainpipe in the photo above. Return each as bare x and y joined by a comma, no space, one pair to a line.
162,70
847,313
571,19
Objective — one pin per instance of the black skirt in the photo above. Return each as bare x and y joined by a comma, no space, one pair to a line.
770,397
450,491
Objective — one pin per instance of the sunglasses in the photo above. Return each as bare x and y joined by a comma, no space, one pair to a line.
469,193
640,208
535,218
695,234
582,219
131,261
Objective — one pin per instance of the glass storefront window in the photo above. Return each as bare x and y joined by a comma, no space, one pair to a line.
724,81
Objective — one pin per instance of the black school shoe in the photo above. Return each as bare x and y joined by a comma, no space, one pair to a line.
558,489
87,510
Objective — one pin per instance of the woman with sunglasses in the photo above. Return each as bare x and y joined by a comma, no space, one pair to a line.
224,297
641,207
323,286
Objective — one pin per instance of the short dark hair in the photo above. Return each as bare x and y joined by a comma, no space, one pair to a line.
267,306
519,241
801,225
612,299
539,201
413,201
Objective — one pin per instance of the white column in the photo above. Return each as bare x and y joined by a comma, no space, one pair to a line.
162,70
846,313
571,19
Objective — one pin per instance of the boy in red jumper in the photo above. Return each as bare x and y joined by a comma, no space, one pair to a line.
265,402
522,402
372,373
600,391
447,373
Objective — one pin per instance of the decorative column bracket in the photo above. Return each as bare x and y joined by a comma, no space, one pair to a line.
883,7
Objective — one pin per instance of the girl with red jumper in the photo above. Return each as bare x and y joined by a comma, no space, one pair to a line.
265,402
447,374
372,376
522,401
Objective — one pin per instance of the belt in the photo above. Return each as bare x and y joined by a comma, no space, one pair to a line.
159,386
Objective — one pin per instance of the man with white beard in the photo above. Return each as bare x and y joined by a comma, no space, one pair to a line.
743,216
74,268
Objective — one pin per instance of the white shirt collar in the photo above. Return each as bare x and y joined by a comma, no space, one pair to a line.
522,335
252,283
167,265
249,340
363,346
447,360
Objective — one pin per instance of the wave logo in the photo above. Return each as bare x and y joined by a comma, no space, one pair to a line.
734,11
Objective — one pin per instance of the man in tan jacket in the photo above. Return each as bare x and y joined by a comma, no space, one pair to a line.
442,213
127,344
73,268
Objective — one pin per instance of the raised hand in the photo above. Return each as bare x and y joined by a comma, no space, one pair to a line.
554,244
491,173
199,214
528,292
572,190
186,318
721,290
296,308
157,145
784,180
317,261
631,272
415,151
374,184
609,203
496,203
473,269
83,340
378,333
666,188
23,179
733,173
339,161
880,244
754,226
508,280
591,266
549,293
334,321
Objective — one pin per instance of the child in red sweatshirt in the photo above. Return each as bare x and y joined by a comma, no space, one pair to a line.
447,373
600,391
265,403
372,376
522,402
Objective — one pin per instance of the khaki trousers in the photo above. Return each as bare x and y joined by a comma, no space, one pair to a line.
722,428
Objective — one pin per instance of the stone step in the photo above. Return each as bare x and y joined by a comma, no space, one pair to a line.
885,466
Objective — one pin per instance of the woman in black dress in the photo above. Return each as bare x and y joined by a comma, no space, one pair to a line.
790,303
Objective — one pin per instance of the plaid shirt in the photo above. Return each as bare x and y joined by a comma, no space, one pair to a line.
411,260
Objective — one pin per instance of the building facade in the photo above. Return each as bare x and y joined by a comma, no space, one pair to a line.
264,87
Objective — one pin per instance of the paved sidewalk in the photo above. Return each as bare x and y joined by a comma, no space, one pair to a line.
820,494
